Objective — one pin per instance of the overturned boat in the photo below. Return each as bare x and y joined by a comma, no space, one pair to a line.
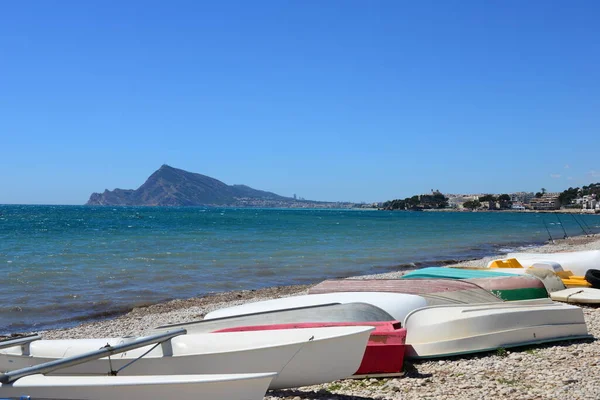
443,331
578,262
398,305
328,313
513,266
434,291
513,288
301,357
454,273
507,286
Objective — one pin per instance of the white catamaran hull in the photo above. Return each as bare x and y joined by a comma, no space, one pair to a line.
180,387
460,329
398,305
301,356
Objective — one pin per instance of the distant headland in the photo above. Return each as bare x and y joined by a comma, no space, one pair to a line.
170,186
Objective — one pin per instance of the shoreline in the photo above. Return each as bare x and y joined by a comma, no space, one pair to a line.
115,281
560,370
142,319
493,250
560,211
268,291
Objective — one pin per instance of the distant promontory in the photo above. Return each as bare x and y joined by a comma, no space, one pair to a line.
170,186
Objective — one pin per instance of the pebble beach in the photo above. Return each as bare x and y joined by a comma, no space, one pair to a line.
562,370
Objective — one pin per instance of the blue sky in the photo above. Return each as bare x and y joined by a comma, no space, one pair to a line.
331,100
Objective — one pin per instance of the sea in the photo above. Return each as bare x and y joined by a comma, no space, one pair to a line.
63,265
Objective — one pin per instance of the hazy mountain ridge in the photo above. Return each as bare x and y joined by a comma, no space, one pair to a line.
170,186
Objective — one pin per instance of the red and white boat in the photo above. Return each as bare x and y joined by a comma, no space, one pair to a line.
385,349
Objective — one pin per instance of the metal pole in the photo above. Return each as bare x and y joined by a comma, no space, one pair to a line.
548,230
562,226
106,351
586,225
584,231
4,344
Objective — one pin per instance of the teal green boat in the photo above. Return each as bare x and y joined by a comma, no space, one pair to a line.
508,287
452,273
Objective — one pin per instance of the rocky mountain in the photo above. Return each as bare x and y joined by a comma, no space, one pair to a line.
170,186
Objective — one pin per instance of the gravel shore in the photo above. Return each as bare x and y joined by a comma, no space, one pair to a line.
564,370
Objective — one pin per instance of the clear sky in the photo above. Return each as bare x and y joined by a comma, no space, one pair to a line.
330,100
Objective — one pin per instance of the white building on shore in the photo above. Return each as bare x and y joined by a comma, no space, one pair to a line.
548,201
589,202
457,200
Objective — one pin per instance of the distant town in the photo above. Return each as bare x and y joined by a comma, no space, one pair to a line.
585,199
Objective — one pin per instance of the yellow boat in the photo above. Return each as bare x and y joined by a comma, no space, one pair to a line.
568,278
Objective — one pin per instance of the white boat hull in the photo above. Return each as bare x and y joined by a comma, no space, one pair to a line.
578,262
443,331
398,305
180,387
301,356
580,295
350,312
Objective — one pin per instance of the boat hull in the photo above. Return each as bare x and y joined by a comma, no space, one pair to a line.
454,273
551,281
444,331
181,387
579,295
435,291
508,286
398,305
350,312
385,349
513,288
567,278
578,262
300,356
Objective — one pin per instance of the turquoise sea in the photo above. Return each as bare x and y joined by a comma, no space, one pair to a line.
65,264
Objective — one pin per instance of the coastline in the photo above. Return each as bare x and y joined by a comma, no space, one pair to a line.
142,319
560,211
562,370
144,256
